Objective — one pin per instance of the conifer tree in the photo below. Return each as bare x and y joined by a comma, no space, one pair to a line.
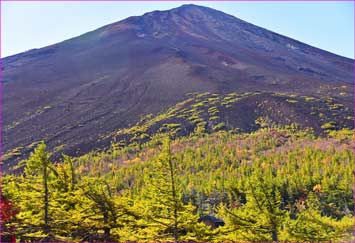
168,218
311,225
261,218
100,213
37,166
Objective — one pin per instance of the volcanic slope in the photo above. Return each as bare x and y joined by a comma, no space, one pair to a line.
78,93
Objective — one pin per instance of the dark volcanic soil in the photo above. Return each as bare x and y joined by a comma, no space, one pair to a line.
71,93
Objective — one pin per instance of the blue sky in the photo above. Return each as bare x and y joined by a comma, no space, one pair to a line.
27,25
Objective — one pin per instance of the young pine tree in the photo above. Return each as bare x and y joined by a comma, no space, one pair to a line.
167,218
38,164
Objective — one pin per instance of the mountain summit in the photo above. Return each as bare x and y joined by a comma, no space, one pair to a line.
75,92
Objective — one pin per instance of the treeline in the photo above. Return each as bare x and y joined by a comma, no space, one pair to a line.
271,185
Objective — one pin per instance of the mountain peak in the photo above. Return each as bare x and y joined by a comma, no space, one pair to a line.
185,8
192,7
196,10
188,19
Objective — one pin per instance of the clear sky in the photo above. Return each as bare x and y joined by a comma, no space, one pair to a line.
27,25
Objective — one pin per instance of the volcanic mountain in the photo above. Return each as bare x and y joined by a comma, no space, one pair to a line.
77,94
